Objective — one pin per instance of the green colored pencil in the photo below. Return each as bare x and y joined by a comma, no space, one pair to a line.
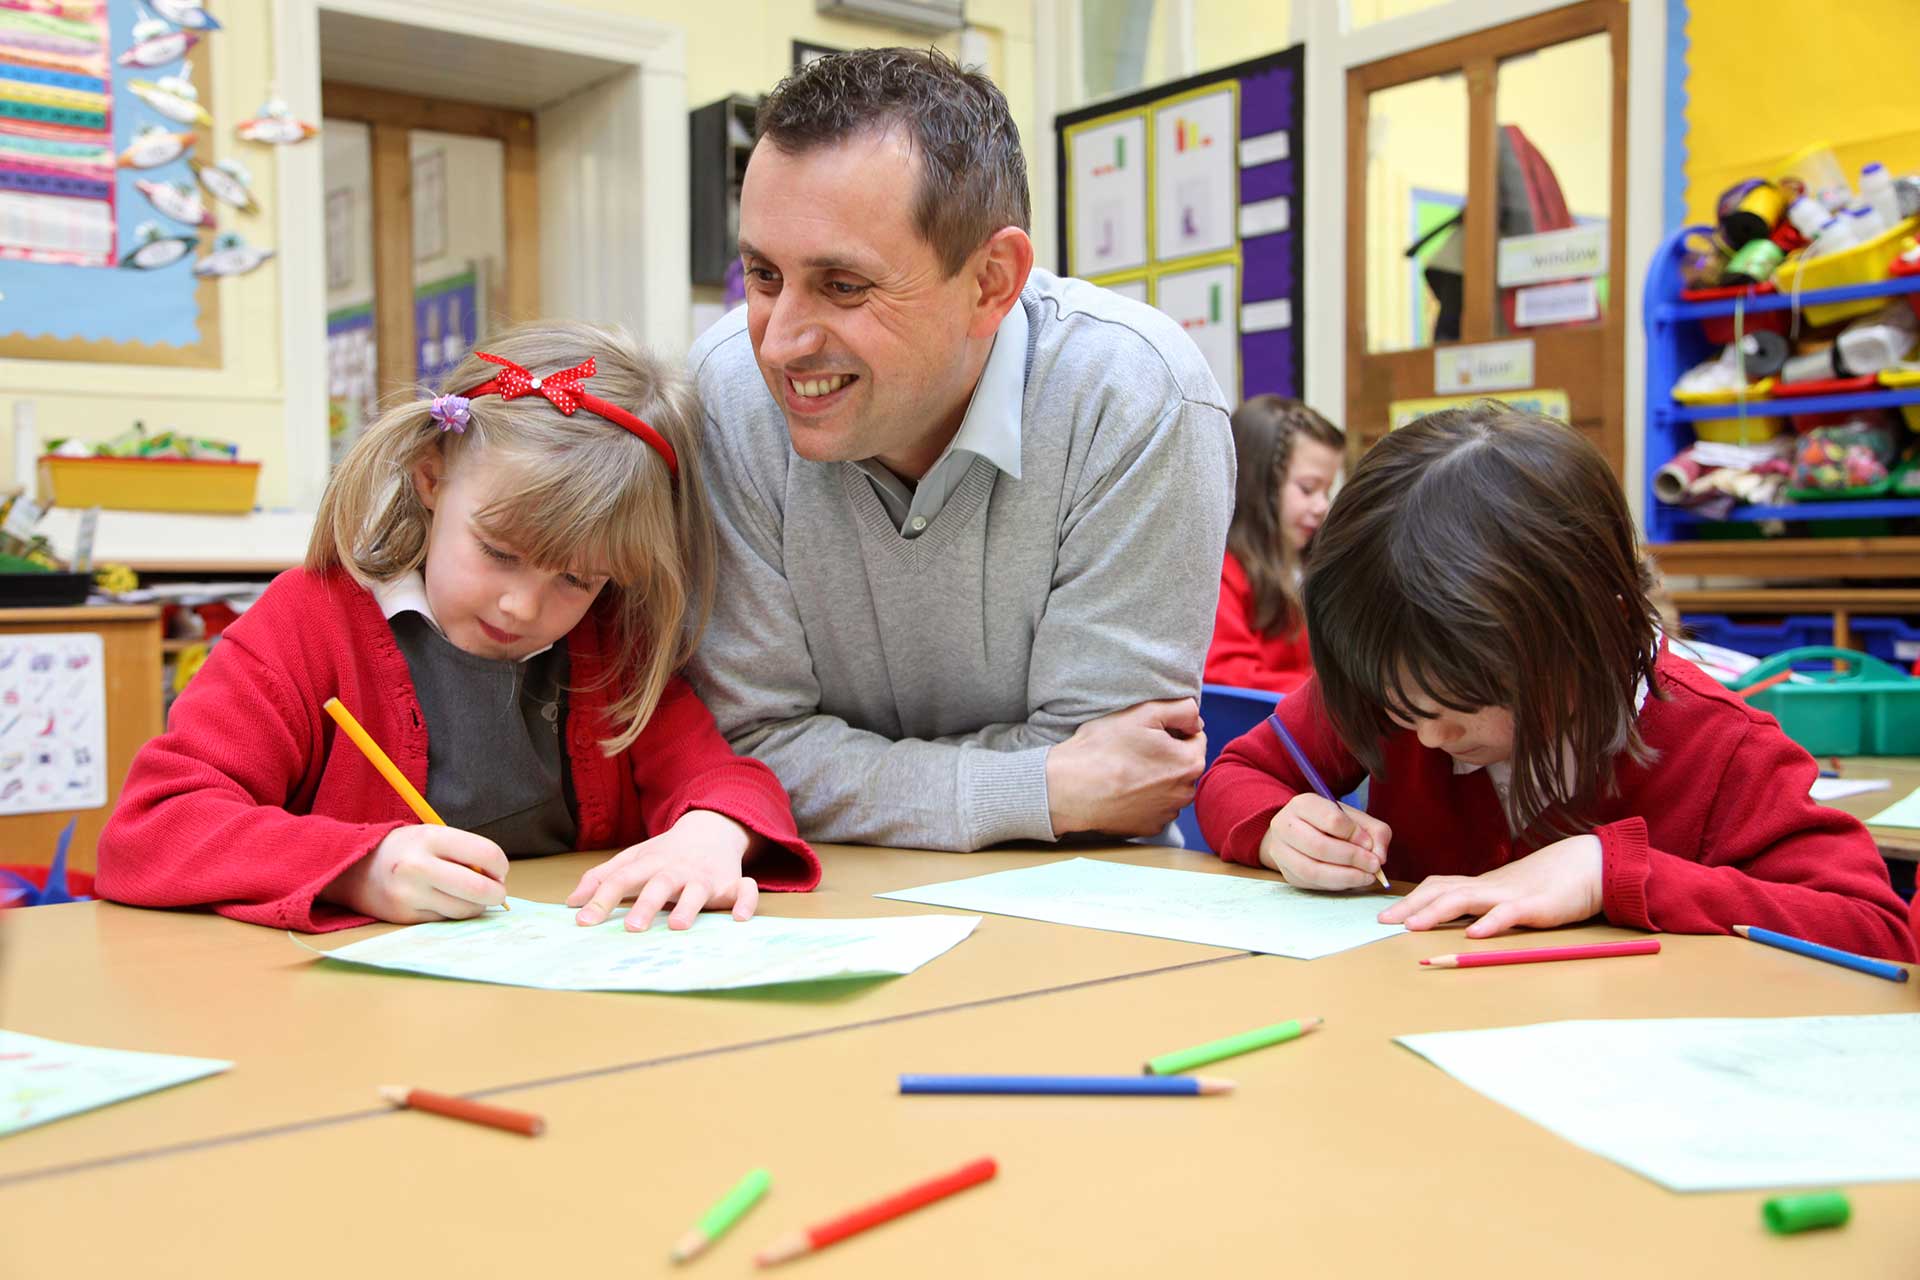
1168,1064
732,1207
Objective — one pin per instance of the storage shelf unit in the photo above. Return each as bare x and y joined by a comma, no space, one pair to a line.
1675,344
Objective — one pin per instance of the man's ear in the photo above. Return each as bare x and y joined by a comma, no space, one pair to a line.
429,477
1000,269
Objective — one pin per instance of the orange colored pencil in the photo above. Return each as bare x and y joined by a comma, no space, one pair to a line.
383,763
872,1215
445,1104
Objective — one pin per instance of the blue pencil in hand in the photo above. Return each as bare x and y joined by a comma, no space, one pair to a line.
1190,1085
1832,955
1314,780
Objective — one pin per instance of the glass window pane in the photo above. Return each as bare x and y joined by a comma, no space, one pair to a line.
1364,13
346,165
1116,37
1415,193
1555,108
459,245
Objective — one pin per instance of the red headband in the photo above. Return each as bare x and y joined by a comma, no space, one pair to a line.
564,392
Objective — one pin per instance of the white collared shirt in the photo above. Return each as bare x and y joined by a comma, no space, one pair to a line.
408,593
990,430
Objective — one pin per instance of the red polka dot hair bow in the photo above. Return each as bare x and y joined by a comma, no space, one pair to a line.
563,390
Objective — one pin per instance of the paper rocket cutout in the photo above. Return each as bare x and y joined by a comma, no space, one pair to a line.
177,200
229,182
18,891
154,146
189,14
173,97
231,256
157,249
155,44
275,125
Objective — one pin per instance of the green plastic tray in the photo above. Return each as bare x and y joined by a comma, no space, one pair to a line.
1870,709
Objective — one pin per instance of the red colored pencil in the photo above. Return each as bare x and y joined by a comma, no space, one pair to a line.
915,1197
445,1104
1768,683
1533,955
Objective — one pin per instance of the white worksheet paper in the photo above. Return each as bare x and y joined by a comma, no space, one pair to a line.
42,1080
1711,1104
537,944
1188,906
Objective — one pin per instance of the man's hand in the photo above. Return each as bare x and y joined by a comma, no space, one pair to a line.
1127,773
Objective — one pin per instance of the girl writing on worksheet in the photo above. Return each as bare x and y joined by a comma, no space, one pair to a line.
1484,648
502,585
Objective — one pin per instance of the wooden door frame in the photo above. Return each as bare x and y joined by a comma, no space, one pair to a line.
1478,56
392,117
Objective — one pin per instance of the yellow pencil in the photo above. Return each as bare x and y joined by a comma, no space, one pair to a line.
387,768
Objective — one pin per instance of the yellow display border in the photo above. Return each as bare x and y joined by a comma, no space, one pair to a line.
1146,150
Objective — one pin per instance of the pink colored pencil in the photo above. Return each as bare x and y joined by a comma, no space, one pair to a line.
1534,955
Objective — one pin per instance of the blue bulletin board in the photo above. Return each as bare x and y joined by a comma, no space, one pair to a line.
91,268
1184,196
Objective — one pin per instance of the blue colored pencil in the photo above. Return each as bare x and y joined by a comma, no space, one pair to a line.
1832,955
1189,1085
1314,780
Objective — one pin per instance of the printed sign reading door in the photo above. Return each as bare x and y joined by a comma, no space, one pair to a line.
1486,366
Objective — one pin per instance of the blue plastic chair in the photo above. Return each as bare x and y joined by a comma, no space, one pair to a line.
1228,712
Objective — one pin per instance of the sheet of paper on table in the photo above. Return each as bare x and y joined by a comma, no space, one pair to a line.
1244,914
1710,1104
42,1080
537,944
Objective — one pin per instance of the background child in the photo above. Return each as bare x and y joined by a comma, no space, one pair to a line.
1288,457
1484,645
501,586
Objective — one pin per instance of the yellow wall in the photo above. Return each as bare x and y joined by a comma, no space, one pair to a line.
735,46
1225,33
1767,77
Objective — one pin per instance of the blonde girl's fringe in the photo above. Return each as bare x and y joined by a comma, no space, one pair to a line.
585,493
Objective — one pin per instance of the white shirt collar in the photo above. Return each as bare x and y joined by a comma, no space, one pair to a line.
1503,769
408,593
991,428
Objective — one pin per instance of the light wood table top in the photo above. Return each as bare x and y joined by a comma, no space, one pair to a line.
311,1042
1904,773
1341,1155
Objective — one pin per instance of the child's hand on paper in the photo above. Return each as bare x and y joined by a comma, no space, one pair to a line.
422,873
1560,884
695,865
1316,844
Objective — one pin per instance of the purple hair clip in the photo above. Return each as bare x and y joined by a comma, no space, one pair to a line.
451,413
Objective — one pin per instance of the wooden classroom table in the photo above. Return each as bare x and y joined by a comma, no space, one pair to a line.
1341,1154
312,1042
1904,774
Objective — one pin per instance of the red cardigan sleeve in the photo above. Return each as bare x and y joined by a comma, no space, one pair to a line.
203,818
1241,656
681,762
1254,777
1770,857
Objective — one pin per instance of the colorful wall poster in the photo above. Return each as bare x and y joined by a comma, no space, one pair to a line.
53,722
1206,303
1107,164
1195,175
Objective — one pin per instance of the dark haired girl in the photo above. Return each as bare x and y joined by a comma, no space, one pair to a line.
1484,647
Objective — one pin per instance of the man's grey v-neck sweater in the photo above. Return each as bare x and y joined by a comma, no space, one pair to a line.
906,690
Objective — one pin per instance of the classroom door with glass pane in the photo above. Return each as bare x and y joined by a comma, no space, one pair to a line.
1486,183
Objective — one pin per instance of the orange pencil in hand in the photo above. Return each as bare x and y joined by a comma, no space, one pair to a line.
385,765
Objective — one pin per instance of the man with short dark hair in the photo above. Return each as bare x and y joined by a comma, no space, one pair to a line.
971,514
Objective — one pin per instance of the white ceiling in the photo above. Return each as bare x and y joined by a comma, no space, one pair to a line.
448,64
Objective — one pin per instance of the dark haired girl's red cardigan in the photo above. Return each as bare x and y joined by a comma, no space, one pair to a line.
253,801
1717,830
1247,658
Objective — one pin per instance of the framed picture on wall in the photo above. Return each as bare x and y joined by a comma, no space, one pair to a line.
803,52
429,205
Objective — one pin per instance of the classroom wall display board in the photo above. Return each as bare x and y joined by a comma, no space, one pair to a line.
105,136
1182,196
53,723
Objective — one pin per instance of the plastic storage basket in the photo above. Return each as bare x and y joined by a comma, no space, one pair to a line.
150,484
1868,710
1867,263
